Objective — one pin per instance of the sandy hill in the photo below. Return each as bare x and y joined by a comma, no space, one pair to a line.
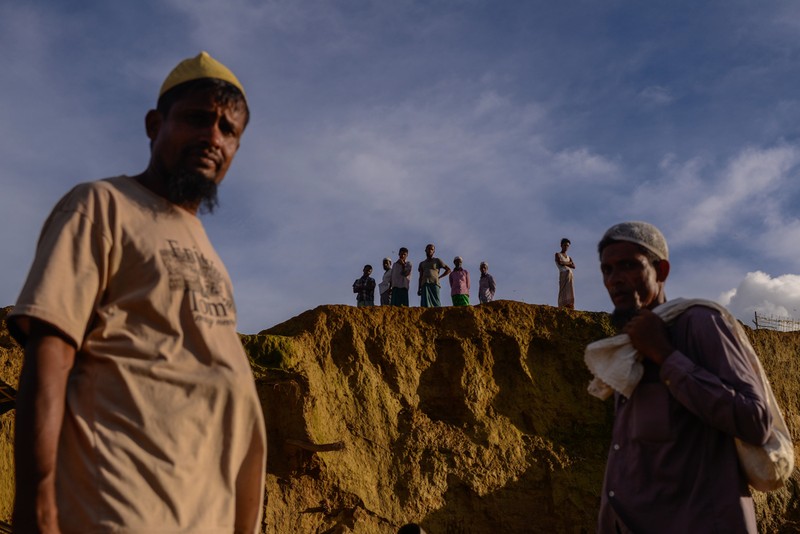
466,420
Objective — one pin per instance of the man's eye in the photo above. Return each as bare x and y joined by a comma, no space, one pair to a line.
196,120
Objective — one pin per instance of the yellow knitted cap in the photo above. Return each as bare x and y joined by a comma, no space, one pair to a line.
200,66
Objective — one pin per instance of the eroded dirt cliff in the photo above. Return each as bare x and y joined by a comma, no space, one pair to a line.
466,420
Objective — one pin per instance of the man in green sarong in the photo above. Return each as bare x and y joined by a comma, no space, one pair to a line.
429,274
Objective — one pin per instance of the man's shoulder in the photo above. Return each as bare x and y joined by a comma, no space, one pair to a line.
702,318
94,190
114,183
700,311
686,309
89,199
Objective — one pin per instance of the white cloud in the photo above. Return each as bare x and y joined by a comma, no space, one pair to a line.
581,164
656,95
701,202
743,188
759,292
778,239
490,102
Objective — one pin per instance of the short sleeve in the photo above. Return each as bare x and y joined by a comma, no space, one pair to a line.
64,283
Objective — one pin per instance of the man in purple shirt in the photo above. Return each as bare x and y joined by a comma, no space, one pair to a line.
486,285
672,465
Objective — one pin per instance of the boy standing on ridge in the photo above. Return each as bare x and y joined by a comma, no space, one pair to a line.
385,287
365,288
486,285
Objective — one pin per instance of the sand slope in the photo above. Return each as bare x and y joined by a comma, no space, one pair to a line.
467,420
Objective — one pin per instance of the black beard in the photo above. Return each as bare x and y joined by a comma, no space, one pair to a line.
186,188
619,318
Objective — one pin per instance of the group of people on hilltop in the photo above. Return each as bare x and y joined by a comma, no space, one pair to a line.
394,286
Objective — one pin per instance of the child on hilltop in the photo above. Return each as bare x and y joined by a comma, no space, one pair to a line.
364,288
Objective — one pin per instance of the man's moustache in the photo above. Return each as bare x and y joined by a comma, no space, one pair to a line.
204,151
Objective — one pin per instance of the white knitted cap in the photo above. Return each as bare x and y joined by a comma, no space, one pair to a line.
641,233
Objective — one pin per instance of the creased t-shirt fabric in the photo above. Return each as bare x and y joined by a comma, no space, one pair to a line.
429,270
163,430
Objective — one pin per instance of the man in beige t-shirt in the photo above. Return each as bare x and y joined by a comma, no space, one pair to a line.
430,271
137,410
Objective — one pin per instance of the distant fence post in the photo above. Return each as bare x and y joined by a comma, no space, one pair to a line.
771,322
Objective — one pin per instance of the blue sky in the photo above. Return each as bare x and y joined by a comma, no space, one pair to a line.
490,128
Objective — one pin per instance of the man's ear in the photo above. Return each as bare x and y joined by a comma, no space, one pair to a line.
152,124
662,270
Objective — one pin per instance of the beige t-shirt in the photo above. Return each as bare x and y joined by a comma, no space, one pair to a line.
429,270
163,430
